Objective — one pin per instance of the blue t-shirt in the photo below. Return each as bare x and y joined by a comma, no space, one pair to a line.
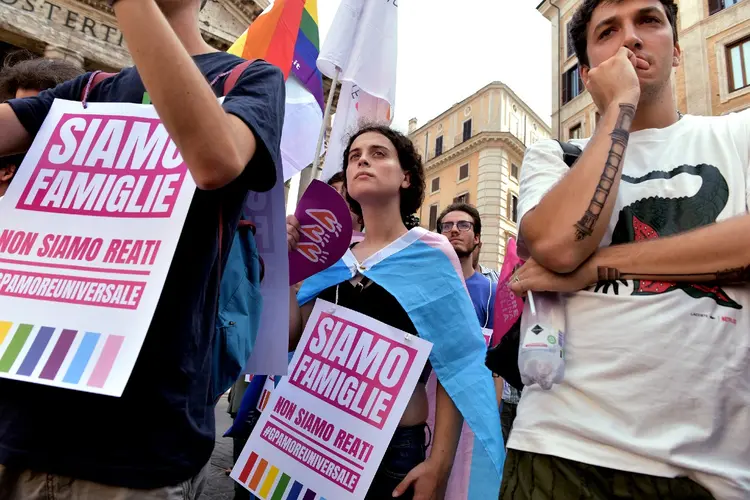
161,431
482,292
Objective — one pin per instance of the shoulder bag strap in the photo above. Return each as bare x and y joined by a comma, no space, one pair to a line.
571,153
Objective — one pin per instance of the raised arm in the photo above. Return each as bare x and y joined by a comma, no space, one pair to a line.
216,146
567,225
13,136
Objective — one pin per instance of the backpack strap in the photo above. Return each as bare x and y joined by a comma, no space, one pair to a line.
234,76
95,79
571,153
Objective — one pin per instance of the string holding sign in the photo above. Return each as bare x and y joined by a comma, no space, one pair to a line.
325,231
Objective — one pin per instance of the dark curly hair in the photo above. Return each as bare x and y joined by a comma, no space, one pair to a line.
337,177
34,74
580,21
410,161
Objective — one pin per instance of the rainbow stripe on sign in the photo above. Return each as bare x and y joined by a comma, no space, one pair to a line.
55,353
270,483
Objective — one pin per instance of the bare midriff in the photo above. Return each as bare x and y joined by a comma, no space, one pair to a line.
416,410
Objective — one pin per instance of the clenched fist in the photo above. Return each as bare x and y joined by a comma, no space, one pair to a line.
615,81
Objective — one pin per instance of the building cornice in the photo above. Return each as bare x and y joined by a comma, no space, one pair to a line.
496,85
246,11
249,8
473,145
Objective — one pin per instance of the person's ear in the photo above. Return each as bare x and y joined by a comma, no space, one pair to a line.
7,173
676,55
406,183
585,75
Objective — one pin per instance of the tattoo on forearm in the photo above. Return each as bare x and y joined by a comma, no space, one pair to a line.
738,275
620,135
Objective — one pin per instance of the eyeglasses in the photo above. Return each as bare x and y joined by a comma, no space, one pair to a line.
462,225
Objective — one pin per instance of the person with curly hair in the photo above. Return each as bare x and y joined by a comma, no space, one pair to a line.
416,286
24,78
30,77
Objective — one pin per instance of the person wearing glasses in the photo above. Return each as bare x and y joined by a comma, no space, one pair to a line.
460,223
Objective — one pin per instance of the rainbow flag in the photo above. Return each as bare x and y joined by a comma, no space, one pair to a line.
287,37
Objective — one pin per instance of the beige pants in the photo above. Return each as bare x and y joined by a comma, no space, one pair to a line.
29,485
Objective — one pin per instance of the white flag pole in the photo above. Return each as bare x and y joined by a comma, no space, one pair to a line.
326,116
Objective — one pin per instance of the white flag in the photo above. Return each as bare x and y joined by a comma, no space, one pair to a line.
302,121
362,43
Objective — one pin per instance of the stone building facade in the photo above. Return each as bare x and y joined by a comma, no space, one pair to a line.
85,31
473,152
712,34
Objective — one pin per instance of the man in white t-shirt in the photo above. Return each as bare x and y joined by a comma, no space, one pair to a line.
648,238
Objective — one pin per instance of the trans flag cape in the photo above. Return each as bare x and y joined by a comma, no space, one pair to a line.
421,270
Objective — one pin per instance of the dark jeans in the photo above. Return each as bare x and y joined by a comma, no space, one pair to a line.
530,476
406,450
240,493
507,416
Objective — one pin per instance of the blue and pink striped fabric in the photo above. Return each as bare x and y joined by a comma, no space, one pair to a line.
421,270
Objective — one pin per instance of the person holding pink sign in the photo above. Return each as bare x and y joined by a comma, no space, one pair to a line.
411,279
154,440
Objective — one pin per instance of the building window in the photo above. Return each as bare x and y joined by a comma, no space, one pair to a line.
738,58
439,146
467,130
571,48
513,207
435,185
433,217
463,172
514,171
464,198
715,6
572,85
575,132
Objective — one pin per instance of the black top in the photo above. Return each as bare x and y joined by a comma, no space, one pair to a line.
161,431
374,301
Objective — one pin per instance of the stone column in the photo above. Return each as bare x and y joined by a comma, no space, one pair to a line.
489,204
57,52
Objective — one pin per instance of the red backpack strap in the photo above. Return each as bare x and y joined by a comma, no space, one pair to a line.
95,79
235,74
232,77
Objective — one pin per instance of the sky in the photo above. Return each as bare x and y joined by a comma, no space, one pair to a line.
449,49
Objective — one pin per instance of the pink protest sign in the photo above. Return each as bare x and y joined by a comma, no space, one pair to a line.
508,306
327,425
89,229
325,231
